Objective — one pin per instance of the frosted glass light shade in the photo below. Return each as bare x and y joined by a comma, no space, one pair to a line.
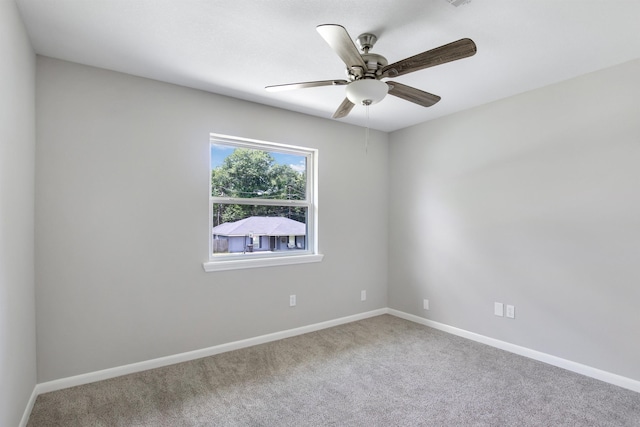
366,91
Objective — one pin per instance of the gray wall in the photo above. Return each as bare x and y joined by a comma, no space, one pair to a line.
122,222
17,146
532,201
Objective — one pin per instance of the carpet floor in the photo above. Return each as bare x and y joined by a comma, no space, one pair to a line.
382,371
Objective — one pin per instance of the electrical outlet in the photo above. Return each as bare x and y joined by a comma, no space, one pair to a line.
498,309
363,295
425,304
511,312
292,300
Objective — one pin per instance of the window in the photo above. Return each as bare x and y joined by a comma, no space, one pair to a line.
262,206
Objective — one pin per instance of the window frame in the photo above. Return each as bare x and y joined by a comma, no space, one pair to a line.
268,259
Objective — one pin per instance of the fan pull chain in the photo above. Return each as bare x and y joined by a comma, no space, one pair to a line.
366,132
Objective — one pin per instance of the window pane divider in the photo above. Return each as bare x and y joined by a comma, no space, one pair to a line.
269,202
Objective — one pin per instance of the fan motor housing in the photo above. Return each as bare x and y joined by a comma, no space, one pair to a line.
374,63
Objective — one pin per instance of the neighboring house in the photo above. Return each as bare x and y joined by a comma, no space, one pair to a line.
259,233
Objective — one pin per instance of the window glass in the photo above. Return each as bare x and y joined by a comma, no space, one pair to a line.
253,173
262,199
256,228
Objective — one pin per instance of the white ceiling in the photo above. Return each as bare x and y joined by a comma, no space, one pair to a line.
238,47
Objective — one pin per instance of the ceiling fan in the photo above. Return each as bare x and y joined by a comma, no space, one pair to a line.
365,71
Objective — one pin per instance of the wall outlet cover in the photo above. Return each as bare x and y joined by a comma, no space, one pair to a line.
498,309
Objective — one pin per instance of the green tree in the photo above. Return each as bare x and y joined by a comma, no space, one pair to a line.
248,173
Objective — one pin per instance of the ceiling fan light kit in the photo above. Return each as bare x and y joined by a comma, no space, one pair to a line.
365,70
366,91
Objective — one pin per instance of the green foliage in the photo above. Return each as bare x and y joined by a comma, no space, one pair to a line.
248,173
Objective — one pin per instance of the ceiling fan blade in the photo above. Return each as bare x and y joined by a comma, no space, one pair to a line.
462,48
343,109
412,94
340,41
291,86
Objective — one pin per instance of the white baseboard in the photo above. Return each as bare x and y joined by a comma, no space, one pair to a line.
27,410
579,368
63,383
196,354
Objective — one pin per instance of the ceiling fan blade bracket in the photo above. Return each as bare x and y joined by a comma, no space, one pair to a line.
389,72
355,72
302,85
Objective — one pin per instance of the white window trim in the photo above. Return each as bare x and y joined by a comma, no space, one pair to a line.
223,265
256,260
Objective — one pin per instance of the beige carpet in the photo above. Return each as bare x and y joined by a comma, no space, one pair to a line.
382,371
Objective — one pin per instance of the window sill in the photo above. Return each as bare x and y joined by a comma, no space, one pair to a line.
239,264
